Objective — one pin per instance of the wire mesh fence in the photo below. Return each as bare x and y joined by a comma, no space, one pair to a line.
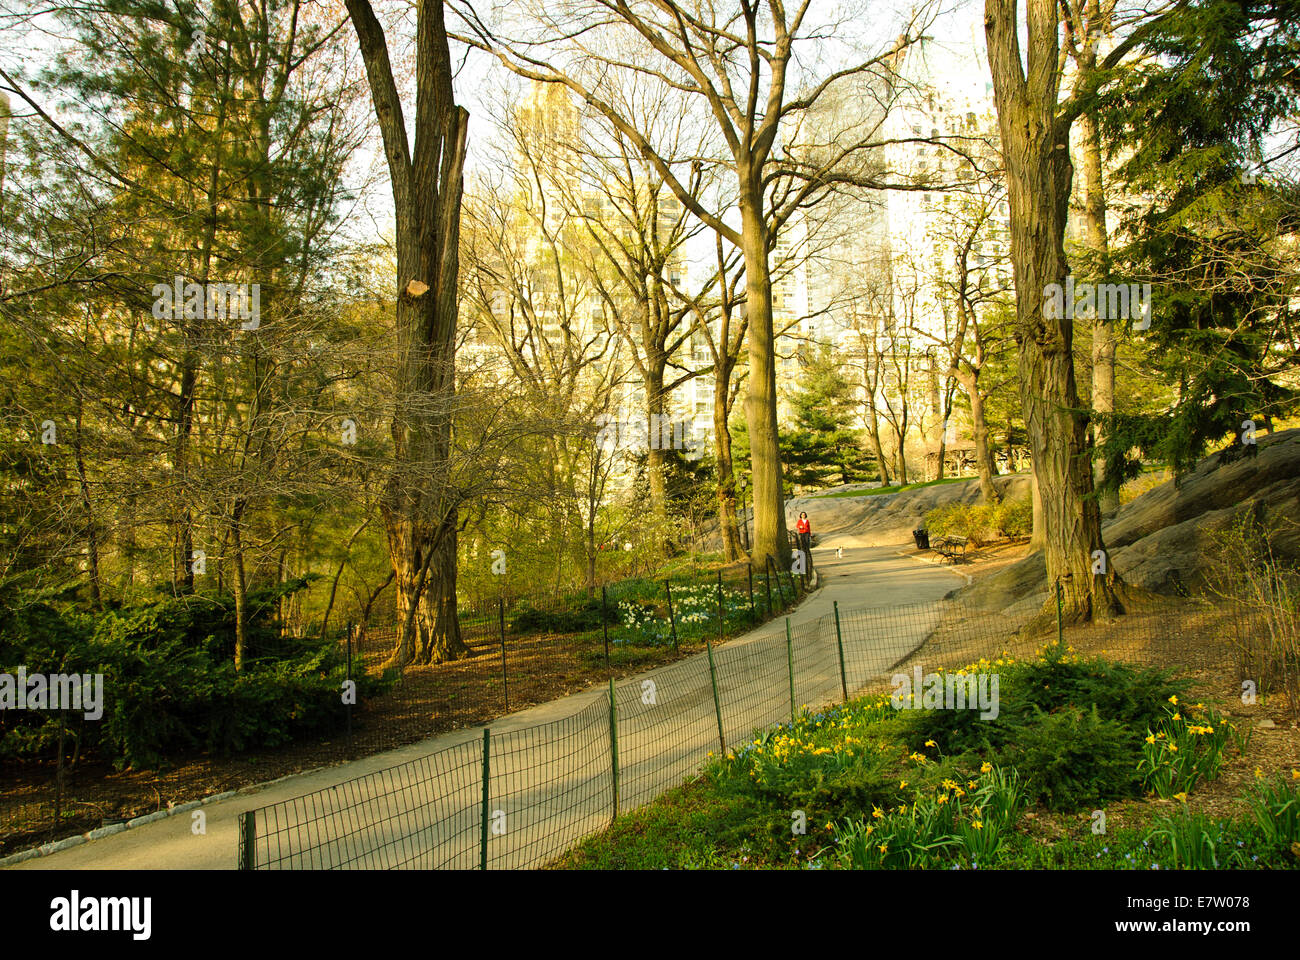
525,651
518,652
545,787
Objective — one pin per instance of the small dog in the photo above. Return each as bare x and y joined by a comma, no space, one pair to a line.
839,553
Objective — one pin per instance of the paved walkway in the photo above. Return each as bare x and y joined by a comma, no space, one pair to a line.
555,783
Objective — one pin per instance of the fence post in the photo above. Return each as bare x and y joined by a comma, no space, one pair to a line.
505,679
672,619
767,586
604,624
248,840
613,742
717,703
839,642
350,687
789,659
483,826
749,567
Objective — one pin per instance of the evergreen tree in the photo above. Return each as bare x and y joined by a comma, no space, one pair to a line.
1217,237
822,448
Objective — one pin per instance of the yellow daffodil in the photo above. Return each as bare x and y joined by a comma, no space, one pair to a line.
1173,699
977,825
1181,797
931,743
986,767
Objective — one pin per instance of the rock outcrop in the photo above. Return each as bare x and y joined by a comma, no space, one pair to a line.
1163,540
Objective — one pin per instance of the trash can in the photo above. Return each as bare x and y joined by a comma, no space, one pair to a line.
922,538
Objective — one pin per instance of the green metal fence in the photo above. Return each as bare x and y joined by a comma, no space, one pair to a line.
520,797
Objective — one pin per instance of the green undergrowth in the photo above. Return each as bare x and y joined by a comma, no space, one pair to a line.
873,784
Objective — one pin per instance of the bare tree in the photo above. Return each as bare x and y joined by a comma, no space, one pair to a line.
741,63
427,183
1035,127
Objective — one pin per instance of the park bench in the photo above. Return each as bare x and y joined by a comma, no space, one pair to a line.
951,548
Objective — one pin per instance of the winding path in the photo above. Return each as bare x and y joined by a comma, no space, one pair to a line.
550,781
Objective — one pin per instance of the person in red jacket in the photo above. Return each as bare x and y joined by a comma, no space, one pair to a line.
804,529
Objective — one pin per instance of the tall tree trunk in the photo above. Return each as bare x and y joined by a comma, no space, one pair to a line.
940,417
770,536
418,506
1104,339
984,465
660,441
876,446
92,527
1035,142
728,526
241,585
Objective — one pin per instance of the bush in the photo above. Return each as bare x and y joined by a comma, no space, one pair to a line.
576,618
1134,697
982,523
170,685
1015,518
1075,758
821,763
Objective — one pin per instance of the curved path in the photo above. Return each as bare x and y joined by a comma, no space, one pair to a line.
550,763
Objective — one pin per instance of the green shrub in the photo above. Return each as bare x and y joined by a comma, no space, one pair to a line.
589,615
1075,758
170,685
1134,697
1015,518
982,523
828,764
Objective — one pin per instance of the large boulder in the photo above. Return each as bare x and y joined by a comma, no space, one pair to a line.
1163,541
887,518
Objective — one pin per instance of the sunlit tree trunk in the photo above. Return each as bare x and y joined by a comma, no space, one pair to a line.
1035,142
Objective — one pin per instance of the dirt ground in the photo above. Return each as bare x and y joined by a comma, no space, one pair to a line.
429,700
